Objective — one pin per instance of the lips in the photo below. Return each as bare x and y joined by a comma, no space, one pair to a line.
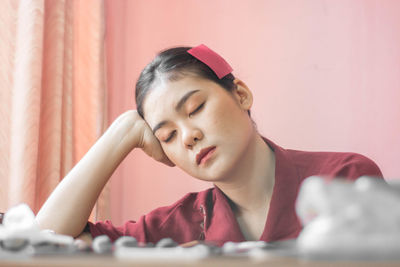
203,153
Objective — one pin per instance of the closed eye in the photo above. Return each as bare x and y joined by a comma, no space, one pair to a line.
197,109
170,137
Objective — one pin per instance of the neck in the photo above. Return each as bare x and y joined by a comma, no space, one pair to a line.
249,185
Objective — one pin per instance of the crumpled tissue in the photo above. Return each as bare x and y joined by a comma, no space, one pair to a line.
350,220
19,233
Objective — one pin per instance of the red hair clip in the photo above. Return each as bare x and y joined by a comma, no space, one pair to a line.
220,67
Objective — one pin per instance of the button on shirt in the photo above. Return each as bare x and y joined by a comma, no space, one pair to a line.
207,215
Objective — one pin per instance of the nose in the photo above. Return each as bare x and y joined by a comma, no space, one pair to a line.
191,136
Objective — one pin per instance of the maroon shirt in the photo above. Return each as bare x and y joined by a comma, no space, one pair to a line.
207,215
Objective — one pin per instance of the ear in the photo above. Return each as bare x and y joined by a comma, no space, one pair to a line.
243,94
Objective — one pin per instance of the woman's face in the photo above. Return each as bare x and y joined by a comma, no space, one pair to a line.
202,128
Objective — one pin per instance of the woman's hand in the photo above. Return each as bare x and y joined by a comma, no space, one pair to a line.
131,131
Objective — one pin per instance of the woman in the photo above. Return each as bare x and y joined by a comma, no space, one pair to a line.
193,113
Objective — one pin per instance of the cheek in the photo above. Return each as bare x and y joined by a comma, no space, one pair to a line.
181,159
175,154
170,152
223,116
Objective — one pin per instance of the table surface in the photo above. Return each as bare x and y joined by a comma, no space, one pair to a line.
102,260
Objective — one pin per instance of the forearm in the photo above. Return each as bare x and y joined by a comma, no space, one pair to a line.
68,208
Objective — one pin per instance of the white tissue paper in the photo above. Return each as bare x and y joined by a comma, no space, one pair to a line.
350,220
19,232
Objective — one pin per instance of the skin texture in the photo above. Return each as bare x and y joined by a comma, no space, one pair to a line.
242,165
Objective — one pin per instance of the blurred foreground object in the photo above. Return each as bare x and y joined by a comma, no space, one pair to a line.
21,237
349,220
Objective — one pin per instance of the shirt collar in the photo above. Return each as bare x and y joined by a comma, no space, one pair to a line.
282,221
220,224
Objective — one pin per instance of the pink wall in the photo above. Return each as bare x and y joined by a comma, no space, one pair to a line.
325,75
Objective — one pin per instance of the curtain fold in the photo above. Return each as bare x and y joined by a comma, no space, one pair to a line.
52,95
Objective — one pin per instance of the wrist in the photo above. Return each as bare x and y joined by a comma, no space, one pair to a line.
122,136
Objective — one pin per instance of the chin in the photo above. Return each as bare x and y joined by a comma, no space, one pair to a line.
216,173
219,170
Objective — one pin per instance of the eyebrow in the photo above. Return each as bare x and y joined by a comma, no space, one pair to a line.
178,106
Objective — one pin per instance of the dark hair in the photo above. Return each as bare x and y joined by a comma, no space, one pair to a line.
175,62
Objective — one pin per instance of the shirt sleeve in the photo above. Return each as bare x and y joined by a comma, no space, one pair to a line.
136,229
357,165
179,221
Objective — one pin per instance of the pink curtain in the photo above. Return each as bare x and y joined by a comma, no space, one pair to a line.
52,95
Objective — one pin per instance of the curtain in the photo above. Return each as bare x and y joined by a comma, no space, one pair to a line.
53,101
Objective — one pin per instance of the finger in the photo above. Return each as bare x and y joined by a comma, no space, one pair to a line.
153,148
159,154
168,162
